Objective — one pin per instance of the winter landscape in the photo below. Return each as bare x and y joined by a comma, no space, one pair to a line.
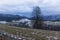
29,20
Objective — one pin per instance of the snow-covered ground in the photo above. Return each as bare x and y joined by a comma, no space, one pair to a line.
52,23
23,22
3,22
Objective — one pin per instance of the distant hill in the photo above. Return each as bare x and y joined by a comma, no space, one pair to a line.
52,17
49,18
10,17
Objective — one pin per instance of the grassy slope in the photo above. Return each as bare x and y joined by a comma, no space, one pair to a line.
26,32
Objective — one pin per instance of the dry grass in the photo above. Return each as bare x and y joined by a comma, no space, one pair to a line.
26,32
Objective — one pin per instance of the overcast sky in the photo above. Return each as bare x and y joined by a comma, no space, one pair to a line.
47,6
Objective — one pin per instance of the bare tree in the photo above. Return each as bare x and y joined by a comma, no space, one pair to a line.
37,17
